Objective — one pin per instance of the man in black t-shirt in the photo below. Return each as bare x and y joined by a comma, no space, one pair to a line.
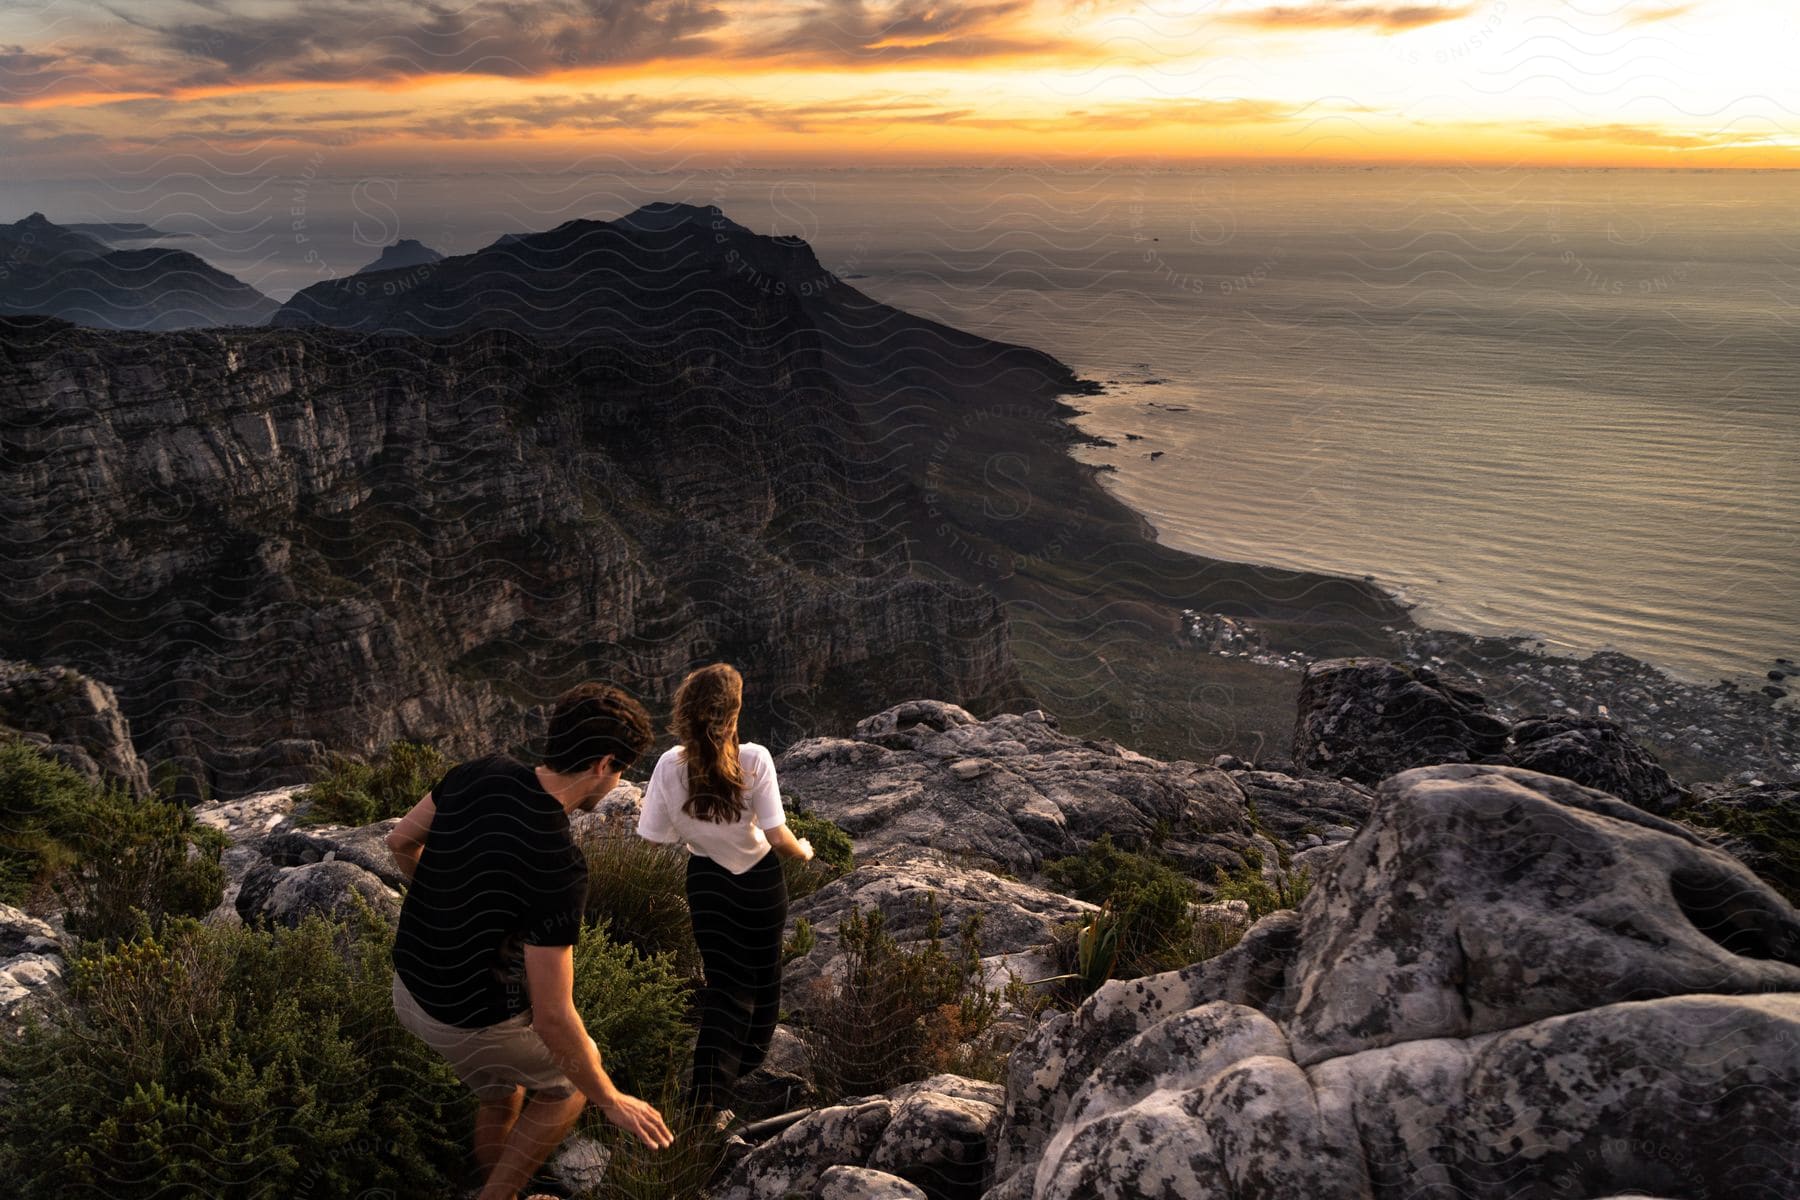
484,952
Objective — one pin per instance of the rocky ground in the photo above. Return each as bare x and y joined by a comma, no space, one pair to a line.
1516,974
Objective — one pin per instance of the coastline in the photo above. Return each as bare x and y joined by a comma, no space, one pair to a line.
1701,732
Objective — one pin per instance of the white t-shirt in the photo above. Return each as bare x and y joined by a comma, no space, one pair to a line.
735,845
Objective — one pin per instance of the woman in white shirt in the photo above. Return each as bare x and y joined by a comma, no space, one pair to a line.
720,798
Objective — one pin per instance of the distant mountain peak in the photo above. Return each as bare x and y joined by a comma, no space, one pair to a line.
403,254
668,214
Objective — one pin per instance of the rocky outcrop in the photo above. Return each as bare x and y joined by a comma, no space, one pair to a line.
273,895
934,1136
31,968
1018,922
1595,753
75,720
1303,812
1506,985
1366,718
1756,822
1013,791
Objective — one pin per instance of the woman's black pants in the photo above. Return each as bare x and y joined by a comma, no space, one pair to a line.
738,923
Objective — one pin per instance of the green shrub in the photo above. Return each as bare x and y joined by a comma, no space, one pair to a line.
634,1008
898,1014
1151,900
349,791
102,851
1263,897
638,890
222,1061
834,855
801,944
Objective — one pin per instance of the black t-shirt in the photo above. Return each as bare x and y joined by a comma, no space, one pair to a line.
499,871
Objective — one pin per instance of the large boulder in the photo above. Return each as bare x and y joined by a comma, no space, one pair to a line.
935,1137
1011,791
796,1159
941,1137
75,719
1366,718
1598,754
273,895
1507,985
861,1183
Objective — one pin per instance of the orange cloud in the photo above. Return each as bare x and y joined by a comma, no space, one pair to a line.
1384,18
1641,135
1666,13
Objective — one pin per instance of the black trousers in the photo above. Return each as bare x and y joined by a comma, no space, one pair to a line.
738,923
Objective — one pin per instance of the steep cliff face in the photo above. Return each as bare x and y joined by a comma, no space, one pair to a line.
274,541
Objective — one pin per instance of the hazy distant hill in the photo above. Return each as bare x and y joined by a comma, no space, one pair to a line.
62,271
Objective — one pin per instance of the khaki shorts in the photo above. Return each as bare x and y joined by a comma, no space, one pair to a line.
492,1060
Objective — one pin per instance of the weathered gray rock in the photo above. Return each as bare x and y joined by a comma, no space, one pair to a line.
1018,921
31,967
1045,1072
860,1183
1481,898
1304,812
1366,718
797,1158
1507,985
79,718
1598,754
941,1142
580,1164
364,846
1012,791
285,895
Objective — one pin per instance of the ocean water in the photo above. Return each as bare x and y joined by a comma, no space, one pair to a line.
1563,404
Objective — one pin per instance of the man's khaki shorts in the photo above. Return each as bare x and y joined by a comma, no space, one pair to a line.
493,1060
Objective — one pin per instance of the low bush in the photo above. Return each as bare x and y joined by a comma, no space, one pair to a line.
1264,897
1151,902
897,1013
349,791
634,1007
638,890
101,851
222,1061
834,855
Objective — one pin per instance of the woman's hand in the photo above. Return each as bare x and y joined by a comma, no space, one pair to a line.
806,850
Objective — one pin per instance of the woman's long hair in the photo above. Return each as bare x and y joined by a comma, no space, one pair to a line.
706,712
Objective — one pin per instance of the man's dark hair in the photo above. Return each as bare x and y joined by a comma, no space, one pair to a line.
592,720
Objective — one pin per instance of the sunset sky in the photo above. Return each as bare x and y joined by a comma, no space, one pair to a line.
84,83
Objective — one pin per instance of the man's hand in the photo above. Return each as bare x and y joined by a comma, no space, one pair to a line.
639,1118
550,976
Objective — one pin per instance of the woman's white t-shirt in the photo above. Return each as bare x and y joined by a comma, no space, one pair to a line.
735,845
